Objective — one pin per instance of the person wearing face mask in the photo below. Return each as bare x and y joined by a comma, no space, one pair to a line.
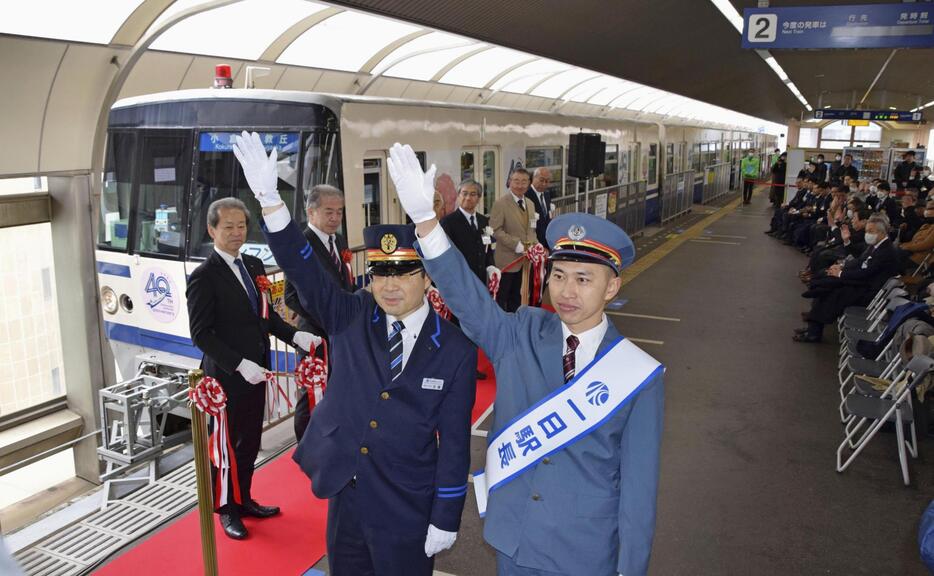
808,170
909,221
887,203
926,183
913,252
846,239
779,168
749,167
902,173
821,170
852,283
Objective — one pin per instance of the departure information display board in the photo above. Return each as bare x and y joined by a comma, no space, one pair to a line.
875,115
903,25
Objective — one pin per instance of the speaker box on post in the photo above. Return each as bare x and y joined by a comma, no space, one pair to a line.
586,155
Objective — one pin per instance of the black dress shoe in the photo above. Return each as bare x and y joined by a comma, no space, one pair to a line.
256,511
806,338
233,527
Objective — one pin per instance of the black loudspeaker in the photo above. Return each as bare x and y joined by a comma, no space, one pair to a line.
586,155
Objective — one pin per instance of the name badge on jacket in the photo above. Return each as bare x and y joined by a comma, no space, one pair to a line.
866,263
432,384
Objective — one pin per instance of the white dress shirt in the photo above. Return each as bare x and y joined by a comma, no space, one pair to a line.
234,268
325,238
413,326
541,199
469,215
588,343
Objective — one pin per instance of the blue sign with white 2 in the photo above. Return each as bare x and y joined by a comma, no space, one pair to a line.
906,25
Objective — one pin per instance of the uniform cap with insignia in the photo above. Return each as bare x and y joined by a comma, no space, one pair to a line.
390,249
587,238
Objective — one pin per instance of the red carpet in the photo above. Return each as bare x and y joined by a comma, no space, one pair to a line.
286,545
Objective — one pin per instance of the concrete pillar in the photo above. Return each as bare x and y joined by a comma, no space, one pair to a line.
793,132
86,356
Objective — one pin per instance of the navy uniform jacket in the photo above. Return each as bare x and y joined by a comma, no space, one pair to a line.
595,508
407,445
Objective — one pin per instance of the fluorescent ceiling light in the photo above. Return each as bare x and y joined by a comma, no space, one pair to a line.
773,64
729,12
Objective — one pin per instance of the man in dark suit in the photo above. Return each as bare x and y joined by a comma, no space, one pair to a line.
469,230
901,174
325,209
538,194
389,445
225,322
850,284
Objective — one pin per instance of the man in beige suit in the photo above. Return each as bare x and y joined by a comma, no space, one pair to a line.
513,221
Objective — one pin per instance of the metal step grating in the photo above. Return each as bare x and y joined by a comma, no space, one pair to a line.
77,549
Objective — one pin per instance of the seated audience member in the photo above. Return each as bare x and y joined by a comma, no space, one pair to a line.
852,283
792,214
927,181
811,216
913,251
847,240
908,221
888,205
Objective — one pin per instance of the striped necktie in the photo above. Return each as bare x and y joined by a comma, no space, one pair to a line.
569,357
247,284
395,349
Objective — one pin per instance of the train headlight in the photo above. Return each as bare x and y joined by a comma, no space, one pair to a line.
109,300
126,303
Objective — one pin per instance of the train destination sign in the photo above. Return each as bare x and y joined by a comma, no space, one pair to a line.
877,115
904,25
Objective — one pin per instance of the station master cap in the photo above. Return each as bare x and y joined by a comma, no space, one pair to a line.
390,249
587,238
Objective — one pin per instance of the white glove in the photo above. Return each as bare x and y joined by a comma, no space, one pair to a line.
416,189
520,249
438,540
260,170
251,371
306,341
492,271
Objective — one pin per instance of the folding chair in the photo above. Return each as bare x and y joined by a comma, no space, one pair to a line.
894,405
849,337
860,313
883,366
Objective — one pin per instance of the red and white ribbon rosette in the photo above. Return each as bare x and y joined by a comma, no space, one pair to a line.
265,289
347,258
537,256
312,374
210,398
437,302
493,285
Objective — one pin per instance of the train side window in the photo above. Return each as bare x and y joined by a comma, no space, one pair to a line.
163,180
120,167
219,175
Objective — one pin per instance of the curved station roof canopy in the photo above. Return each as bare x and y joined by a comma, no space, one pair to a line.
307,46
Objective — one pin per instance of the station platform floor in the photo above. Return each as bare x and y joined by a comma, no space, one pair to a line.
748,481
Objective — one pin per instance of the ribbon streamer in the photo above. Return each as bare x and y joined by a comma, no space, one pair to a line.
209,397
312,374
537,256
265,287
493,285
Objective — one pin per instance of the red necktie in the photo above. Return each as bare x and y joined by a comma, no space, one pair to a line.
569,357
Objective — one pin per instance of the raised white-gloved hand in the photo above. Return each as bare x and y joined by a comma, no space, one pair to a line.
416,189
492,271
251,371
520,249
438,540
306,341
259,169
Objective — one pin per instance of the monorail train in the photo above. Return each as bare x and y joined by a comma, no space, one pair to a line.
169,156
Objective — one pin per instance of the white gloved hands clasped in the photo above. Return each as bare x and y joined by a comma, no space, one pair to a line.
438,540
258,168
251,371
306,341
416,189
492,272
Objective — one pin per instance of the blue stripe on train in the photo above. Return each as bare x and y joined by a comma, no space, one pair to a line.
283,361
113,269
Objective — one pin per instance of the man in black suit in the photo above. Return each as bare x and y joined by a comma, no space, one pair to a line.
850,284
469,230
325,209
226,325
537,193
901,174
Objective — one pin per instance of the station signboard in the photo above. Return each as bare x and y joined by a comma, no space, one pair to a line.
903,25
874,115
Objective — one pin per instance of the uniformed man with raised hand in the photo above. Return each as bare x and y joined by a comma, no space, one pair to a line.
572,461
389,443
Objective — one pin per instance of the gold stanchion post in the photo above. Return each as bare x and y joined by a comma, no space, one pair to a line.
203,474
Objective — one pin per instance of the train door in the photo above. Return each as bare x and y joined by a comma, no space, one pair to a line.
481,163
376,193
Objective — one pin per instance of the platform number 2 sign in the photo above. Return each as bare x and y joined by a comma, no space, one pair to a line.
762,28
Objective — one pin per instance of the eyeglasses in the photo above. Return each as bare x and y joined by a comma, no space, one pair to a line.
471,194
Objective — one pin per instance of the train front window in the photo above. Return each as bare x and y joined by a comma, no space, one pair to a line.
163,180
118,185
320,165
220,176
